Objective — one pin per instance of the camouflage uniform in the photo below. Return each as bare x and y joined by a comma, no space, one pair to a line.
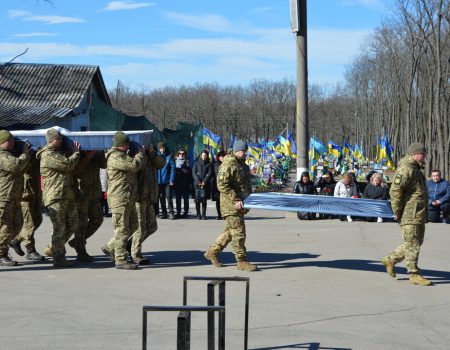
11,189
147,184
88,190
409,199
122,191
58,195
31,205
234,185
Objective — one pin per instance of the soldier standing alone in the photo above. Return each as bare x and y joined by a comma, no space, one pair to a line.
409,200
11,189
234,185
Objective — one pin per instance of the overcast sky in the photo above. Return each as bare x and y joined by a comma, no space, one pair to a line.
172,42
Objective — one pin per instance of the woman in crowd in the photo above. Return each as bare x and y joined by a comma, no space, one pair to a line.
325,185
376,189
202,173
215,194
346,188
182,184
305,186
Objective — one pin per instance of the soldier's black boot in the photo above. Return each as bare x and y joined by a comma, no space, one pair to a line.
204,211
5,260
129,244
15,244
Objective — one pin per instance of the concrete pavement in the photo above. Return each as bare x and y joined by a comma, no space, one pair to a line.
320,286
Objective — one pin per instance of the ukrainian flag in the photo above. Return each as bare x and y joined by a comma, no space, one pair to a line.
210,139
334,149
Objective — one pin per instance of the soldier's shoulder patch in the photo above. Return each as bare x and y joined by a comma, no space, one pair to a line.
398,179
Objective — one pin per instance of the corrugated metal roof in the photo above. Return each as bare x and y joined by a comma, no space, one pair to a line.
38,92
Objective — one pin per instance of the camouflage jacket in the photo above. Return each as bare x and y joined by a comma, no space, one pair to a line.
122,179
11,175
87,177
147,179
32,182
233,182
409,197
57,174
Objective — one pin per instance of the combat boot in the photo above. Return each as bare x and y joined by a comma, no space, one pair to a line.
85,257
127,266
390,266
48,251
246,266
33,255
140,260
61,262
212,256
415,278
7,261
110,254
15,244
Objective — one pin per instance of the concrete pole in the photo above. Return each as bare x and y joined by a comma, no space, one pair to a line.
301,114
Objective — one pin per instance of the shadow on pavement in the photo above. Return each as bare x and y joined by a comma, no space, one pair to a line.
308,346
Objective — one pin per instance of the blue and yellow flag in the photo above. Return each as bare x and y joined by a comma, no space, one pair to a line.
210,139
334,149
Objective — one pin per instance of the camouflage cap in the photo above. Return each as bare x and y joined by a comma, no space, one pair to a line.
416,147
120,139
5,135
52,134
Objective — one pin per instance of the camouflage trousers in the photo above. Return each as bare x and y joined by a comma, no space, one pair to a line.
90,218
32,219
234,232
125,222
11,221
147,226
64,217
413,236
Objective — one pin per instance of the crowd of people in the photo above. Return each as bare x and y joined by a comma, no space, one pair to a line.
79,189
375,187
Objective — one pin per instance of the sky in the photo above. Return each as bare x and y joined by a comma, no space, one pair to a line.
155,43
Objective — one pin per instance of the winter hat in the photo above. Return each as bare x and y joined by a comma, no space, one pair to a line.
240,145
5,135
120,139
52,135
416,147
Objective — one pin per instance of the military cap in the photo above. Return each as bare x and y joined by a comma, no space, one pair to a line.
5,135
52,134
120,139
416,147
240,145
161,144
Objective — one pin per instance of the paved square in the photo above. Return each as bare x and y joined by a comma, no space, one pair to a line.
320,286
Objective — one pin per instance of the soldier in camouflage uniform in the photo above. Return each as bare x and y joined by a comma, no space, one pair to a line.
88,191
234,185
147,196
409,200
58,194
122,191
31,210
11,189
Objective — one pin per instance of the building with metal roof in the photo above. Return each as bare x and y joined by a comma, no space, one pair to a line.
35,96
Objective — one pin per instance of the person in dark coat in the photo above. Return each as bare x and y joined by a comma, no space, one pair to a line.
202,173
325,186
305,186
215,193
376,189
166,178
182,184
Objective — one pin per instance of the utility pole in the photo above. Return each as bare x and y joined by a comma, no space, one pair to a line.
299,27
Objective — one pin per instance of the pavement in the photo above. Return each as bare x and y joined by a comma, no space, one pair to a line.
320,285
